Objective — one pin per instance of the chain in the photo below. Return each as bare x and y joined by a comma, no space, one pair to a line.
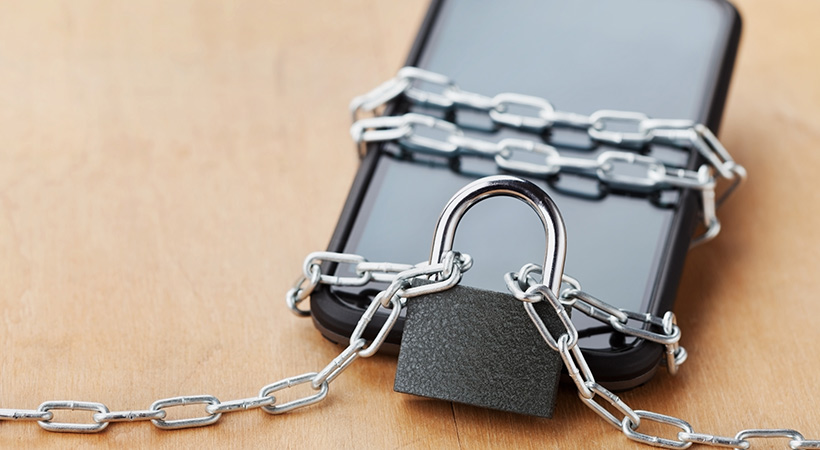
367,271
523,285
669,334
448,271
597,397
427,134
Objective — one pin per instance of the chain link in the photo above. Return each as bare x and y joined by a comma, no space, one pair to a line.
209,419
534,114
71,427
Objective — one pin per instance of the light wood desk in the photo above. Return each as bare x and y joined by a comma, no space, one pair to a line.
165,166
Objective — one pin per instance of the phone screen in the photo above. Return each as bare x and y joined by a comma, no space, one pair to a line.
659,58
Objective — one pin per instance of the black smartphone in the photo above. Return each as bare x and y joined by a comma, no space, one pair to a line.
668,59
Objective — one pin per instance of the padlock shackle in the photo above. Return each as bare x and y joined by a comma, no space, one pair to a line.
507,186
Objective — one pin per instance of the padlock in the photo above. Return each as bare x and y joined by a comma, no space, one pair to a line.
480,347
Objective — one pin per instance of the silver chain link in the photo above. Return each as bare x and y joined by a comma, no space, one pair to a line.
414,132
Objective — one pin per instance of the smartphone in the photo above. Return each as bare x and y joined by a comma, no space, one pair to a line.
668,59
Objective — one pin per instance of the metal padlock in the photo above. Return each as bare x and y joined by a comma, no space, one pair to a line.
480,347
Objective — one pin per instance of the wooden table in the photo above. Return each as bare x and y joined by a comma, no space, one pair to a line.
165,166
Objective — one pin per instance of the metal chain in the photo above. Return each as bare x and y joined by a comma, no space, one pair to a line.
367,271
669,334
523,286
427,134
448,271
446,274
597,397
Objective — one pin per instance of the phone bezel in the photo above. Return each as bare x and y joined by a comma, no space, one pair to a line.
623,369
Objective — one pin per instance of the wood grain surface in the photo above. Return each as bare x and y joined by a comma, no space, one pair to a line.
165,166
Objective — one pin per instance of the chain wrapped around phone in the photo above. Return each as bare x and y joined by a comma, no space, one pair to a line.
546,294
